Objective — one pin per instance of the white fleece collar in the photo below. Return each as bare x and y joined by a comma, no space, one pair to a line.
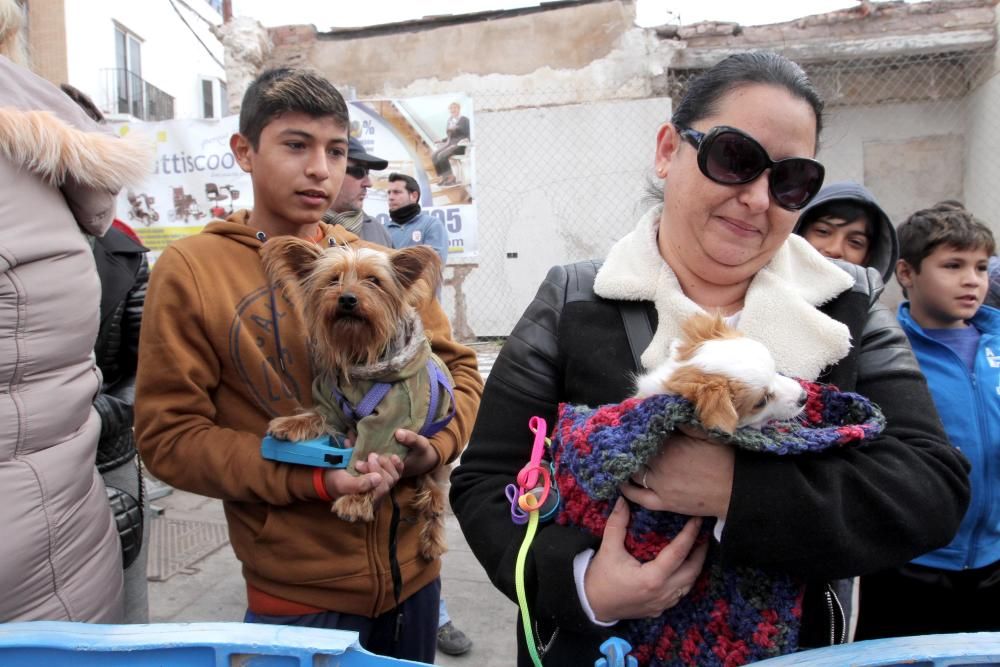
780,308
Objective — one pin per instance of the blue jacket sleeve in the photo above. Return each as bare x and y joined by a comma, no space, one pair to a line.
437,238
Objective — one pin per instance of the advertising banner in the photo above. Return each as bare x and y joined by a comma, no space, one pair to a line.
196,178
431,139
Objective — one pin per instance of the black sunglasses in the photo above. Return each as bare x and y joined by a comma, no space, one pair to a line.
732,157
357,171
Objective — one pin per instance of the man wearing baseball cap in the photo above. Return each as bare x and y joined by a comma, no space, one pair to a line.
347,207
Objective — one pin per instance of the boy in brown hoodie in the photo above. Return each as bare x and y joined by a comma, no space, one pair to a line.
223,352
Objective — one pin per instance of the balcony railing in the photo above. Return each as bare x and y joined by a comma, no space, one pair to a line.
129,93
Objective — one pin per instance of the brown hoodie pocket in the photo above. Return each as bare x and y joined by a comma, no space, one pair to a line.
306,542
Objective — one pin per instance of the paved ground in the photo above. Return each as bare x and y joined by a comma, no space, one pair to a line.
211,588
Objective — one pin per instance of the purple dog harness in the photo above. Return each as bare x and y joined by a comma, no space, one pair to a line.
438,384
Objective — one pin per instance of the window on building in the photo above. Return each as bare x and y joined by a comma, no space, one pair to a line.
126,92
207,98
214,101
223,99
128,62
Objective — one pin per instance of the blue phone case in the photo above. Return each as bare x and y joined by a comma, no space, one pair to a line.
321,452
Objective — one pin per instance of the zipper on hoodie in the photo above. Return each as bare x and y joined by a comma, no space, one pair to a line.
378,567
981,512
977,531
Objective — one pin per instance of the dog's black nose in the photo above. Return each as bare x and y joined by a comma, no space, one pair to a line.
803,397
347,301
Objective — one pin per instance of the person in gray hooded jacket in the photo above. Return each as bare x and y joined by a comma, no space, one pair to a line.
59,175
845,222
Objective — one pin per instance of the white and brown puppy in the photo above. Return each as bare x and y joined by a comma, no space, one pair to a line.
730,379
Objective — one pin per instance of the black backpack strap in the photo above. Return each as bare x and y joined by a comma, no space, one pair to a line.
635,316
637,328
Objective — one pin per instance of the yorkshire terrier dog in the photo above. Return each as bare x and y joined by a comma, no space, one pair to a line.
375,369
730,380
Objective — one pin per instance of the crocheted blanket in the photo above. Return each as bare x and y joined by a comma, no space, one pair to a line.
732,616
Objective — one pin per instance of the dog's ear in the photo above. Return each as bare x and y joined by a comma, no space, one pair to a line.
715,407
709,394
288,260
418,269
705,326
697,329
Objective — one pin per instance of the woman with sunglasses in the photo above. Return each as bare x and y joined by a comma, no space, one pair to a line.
736,163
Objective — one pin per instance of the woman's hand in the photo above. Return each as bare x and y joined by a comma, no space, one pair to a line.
691,475
618,586
421,458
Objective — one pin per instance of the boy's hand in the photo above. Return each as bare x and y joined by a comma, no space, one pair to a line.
378,474
388,468
421,458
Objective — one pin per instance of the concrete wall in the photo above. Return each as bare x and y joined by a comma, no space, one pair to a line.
568,100
383,61
909,155
558,184
856,137
555,184
521,58
172,59
982,163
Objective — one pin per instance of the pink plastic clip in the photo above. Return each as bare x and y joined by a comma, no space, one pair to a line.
527,496
528,477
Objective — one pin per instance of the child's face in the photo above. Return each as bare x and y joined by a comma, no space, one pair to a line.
297,169
949,288
839,239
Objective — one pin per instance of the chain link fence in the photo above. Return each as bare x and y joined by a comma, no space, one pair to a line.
558,182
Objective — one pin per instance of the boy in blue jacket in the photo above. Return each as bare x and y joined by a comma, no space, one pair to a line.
944,252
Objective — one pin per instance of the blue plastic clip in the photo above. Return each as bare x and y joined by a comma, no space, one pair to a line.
322,452
615,652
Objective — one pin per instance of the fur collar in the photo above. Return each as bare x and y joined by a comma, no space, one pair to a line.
406,355
780,309
56,151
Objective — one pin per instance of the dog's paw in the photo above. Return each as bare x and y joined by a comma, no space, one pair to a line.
305,426
355,507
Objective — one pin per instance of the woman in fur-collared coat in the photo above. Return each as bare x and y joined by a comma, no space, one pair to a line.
60,558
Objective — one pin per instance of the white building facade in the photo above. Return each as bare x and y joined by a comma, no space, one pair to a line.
148,60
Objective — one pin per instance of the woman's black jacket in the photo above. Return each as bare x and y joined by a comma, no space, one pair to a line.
124,272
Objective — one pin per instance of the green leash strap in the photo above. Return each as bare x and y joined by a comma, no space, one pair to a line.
522,597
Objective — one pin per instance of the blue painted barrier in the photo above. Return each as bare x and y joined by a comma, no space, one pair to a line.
957,650
47,643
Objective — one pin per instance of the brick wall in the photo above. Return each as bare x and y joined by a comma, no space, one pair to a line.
47,39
